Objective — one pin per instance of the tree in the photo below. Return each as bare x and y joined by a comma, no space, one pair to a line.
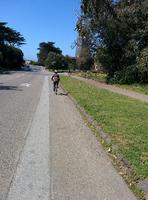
119,33
51,57
71,61
10,56
84,52
44,49
84,60
56,61
10,36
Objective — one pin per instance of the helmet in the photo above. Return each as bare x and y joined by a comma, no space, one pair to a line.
55,71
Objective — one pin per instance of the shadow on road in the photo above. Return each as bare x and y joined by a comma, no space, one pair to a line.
25,68
4,87
63,94
6,72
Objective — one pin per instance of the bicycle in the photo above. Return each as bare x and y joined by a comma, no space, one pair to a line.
55,78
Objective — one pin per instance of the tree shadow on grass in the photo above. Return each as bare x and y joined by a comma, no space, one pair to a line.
63,93
7,87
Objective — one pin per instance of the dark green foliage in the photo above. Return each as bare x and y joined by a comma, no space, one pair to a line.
142,65
56,61
10,56
44,49
71,62
120,33
51,57
10,36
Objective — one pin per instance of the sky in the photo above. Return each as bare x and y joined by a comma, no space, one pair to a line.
42,21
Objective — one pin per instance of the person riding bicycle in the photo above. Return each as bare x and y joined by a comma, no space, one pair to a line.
55,78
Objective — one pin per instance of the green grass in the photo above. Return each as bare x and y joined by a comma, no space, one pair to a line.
141,88
94,76
123,118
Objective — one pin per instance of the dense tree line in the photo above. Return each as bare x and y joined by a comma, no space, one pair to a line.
11,57
52,58
117,37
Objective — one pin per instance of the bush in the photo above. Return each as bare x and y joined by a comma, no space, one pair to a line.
133,73
126,76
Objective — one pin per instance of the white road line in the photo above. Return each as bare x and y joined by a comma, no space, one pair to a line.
25,84
32,180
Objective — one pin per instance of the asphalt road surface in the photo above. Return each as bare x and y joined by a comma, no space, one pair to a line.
19,95
60,158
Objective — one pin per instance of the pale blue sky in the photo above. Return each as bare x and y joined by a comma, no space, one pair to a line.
42,21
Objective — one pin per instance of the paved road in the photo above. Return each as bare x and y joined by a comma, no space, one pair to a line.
32,180
61,158
19,96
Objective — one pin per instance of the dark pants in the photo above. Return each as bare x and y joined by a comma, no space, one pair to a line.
55,84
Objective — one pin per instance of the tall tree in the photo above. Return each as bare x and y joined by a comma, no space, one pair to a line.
71,62
56,61
44,49
10,36
10,56
119,30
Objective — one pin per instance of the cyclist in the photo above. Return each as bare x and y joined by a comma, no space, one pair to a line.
55,78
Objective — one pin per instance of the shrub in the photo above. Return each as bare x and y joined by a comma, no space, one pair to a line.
128,76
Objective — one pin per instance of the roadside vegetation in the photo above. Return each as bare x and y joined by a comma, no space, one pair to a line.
52,58
32,62
11,57
141,88
124,119
113,35
102,77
